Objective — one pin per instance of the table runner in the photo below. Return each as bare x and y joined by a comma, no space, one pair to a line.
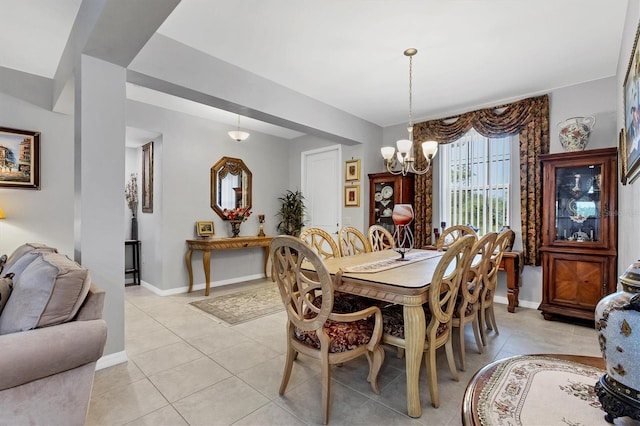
394,262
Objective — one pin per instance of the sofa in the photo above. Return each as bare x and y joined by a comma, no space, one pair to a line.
51,336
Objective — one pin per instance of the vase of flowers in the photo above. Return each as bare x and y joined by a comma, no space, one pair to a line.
131,195
236,217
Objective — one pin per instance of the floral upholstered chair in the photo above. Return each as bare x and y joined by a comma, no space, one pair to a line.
467,304
443,292
318,326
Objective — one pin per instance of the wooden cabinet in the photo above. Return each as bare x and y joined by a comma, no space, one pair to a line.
385,191
579,239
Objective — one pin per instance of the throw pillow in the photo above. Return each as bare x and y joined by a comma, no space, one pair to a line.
6,285
49,291
24,249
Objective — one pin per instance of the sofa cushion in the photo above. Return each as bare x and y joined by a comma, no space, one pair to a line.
49,291
6,285
22,250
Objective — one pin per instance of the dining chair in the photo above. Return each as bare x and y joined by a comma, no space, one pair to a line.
352,241
467,303
489,283
380,238
452,234
321,242
438,312
315,327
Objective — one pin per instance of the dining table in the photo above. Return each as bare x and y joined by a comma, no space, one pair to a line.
382,275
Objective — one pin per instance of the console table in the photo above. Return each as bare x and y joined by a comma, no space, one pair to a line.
211,244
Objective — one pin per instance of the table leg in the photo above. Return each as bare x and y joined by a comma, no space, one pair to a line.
414,333
187,260
206,263
512,269
266,260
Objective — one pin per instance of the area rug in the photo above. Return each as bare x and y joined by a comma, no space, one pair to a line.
539,390
236,308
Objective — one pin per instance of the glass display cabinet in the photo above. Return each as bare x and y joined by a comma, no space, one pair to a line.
579,231
385,191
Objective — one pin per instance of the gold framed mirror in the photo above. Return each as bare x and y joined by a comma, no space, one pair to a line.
230,185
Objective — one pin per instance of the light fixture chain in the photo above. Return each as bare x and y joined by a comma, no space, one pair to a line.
411,94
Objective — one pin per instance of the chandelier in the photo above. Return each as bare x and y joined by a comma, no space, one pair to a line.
237,134
404,154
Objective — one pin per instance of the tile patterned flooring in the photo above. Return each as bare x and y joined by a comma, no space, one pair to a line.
185,368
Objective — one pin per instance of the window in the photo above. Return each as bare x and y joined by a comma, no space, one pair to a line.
475,180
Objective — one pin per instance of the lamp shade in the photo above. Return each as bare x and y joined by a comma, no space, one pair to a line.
404,145
429,149
238,135
387,152
1,213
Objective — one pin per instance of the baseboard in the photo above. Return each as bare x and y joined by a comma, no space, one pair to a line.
111,360
180,290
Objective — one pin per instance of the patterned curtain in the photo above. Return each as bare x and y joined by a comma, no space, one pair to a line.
530,119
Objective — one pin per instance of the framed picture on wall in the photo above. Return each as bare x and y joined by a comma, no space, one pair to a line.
622,157
352,196
352,170
631,93
19,158
147,177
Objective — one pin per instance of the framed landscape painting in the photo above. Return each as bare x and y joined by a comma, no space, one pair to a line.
19,158
631,93
147,177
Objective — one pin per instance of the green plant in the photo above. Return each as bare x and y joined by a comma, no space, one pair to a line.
291,213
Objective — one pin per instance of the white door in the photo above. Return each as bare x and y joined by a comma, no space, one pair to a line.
321,187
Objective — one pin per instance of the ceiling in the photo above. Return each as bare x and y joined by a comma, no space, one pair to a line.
349,54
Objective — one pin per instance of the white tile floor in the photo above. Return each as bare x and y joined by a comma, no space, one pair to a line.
185,368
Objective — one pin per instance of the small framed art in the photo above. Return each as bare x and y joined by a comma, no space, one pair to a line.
204,229
632,112
147,177
19,159
352,196
352,170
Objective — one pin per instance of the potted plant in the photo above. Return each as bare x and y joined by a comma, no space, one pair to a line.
291,213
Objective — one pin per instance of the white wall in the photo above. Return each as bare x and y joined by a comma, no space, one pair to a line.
44,215
190,147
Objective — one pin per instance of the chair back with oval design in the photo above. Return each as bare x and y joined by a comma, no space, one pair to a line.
452,234
352,241
467,304
443,292
487,318
321,242
380,238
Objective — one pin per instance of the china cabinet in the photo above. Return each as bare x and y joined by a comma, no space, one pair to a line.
385,191
579,231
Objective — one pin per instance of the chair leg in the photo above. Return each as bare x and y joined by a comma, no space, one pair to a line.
492,319
462,356
448,347
326,387
432,376
476,334
376,359
481,323
288,365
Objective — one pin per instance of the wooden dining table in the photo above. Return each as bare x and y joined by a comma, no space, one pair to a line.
381,275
